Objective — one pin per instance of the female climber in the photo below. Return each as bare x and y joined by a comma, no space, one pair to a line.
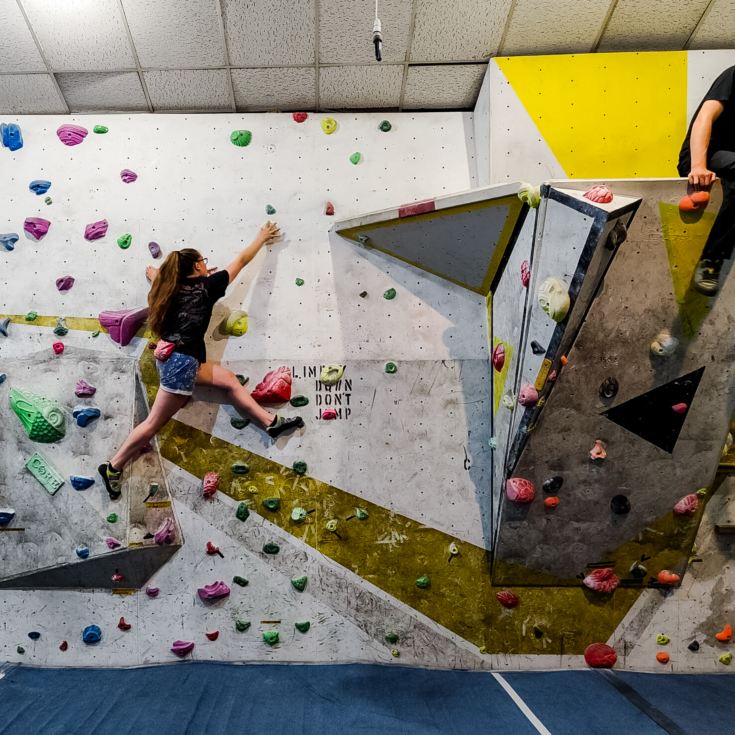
182,295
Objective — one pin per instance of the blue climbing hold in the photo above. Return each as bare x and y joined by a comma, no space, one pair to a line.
10,136
92,634
84,414
81,482
39,186
6,515
82,551
34,635
8,240
3,377
5,326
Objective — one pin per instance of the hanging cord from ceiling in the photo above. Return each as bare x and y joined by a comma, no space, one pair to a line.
377,35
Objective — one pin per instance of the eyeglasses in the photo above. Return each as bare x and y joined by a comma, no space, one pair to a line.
203,260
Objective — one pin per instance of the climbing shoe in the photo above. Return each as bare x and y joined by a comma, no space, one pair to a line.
112,480
707,277
281,424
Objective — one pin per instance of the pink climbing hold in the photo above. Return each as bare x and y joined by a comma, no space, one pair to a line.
599,194
181,648
117,577
525,273
113,543
687,506
299,117
499,356
64,283
679,408
507,599
214,591
528,395
96,230
213,636
166,532
122,325
71,134
36,227
519,490
58,347
329,414
128,176
602,580
329,209
600,656
275,387
84,389
210,484
598,452
152,591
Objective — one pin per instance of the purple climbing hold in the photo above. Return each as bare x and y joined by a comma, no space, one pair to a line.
113,543
128,176
181,648
36,227
122,325
96,230
155,249
152,591
11,137
8,240
39,186
166,532
71,134
84,389
214,591
64,283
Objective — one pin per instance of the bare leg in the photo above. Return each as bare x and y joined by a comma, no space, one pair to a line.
238,395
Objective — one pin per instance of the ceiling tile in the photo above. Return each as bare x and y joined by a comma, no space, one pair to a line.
354,87
448,86
81,35
554,26
653,25
18,50
275,89
189,90
717,29
270,32
120,92
442,34
29,94
170,34
346,30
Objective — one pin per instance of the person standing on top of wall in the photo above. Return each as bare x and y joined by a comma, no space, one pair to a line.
182,295
708,151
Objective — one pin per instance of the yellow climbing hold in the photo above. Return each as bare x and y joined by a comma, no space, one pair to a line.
329,125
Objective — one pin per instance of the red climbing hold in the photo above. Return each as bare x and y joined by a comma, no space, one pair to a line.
519,490
58,347
507,599
329,414
679,408
602,580
499,356
210,484
667,577
117,577
687,506
600,656
213,636
64,646
299,117
123,625
329,209
275,387
212,550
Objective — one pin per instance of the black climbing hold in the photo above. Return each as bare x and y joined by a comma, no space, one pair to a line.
638,571
553,484
693,646
363,294
537,348
271,548
609,388
538,632
34,635
649,415
617,236
620,505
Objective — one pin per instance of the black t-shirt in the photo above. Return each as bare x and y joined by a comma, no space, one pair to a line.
190,310
723,129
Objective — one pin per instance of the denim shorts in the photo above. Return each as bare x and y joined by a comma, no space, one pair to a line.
178,374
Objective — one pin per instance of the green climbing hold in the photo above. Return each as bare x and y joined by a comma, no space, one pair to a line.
240,581
242,625
390,367
299,401
96,333
702,492
298,514
395,653
391,638
61,330
112,518
303,627
355,158
270,209
361,514
238,422
20,649
389,294
273,504
271,548
100,129
385,126
242,379
43,418
423,582
242,513
241,138
270,637
299,583
662,639
240,468
299,468
31,316
299,281
48,200
726,659
124,240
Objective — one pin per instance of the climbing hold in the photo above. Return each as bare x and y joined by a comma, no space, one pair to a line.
237,422
39,186
687,506
331,525
331,374
395,653
210,484
92,634
329,414
329,125
6,515
662,657
20,649
537,349
528,396
61,330
664,344
666,577
96,230
100,129
608,388
553,484
509,400
299,117
71,134
11,137
299,583
211,550
241,138
725,635
529,194
123,624
112,542
215,591
693,646
702,492
363,294
154,249
124,241
271,548
166,532
275,386
498,358
240,581
525,274
599,194
299,401
700,198
81,482
236,324
8,240
303,627
36,227
85,414
299,281
181,648
391,637
423,582
31,316
128,176
48,200
551,502
242,379
600,656
361,514
270,637
152,591
390,368
298,514
695,201
43,418
725,658
620,505
63,646
240,468
389,294
299,467
270,209
83,389
519,490
242,625
601,580
553,298
507,599
355,157
82,552
152,490
385,126
3,376
34,635
453,549
5,326
598,452
213,636
272,504
112,518
329,209
679,408
242,513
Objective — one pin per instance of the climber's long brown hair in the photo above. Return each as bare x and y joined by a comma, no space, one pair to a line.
178,265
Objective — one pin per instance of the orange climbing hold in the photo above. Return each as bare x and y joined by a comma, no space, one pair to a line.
667,577
563,360
694,202
551,502
662,657
725,634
